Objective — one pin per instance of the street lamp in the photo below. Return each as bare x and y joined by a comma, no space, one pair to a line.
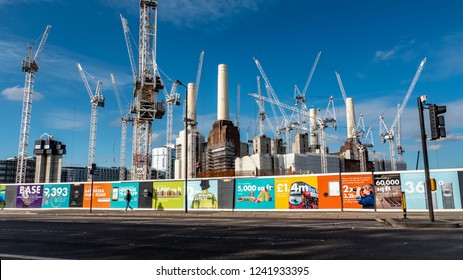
92,173
186,143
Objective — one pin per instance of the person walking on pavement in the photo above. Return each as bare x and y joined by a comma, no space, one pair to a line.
128,198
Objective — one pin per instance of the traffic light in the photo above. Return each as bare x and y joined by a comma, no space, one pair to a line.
437,121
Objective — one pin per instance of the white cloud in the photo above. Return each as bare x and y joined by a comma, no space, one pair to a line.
16,93
449,58
192,12
434,147
404,50
64,119
453,137
384,55
156,136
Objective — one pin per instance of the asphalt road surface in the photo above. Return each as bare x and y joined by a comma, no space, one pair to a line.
197,238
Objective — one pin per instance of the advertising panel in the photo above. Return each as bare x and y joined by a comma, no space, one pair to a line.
29,196
145,195
296,192
415,193
255,193
56,196
119,191
388,190
2,196
168,195
225,191
101,195
76,199
447,194
202,194
10,196
357,191
329,190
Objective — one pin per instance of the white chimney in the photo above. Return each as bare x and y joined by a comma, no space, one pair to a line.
192,103
350,115
313,128
222,93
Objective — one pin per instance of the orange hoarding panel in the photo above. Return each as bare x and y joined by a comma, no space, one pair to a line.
329,191
101,195
350,186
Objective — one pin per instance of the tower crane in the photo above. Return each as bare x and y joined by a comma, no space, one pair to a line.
389,133
96,100
288,126
30,67
322,123
172,98
300,97
262,115
147,84
125,118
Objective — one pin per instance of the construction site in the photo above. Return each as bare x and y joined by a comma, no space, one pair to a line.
297,145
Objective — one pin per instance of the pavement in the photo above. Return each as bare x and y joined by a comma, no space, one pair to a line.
418,219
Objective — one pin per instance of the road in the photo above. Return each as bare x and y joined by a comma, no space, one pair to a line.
219,238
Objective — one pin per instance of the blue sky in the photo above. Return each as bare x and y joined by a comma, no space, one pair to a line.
376,46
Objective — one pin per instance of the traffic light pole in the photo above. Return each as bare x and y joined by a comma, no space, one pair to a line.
424,148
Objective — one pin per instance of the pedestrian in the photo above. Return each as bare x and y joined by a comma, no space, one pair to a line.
128,198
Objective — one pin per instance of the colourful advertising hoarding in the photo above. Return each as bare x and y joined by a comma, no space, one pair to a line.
119,191
226,188
296,192
168,195
145,195
446,196
255,193
413,185
352,185
56,195
202,194
329,190
388,191
76,198
29,196
2,196
101,195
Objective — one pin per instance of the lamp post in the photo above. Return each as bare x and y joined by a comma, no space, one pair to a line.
92,173
424,148
186,143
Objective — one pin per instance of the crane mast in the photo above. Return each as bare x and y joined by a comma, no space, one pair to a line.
125,118
288,126
389,133
172,98
146,89
260,102
96,100
30,67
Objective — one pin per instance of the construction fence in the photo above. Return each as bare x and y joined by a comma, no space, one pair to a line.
310,192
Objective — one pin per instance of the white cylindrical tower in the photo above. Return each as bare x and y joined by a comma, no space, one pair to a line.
222,93
313,128
192,104
350,118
